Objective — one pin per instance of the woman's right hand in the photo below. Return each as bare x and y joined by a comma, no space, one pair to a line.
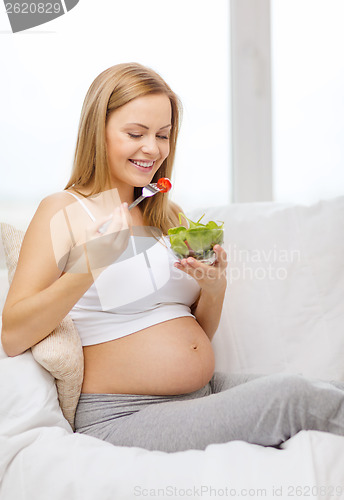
101,247
59,240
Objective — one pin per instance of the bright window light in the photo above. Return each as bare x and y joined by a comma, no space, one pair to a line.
48,70
308,99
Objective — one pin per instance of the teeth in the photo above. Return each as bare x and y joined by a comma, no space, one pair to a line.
142,164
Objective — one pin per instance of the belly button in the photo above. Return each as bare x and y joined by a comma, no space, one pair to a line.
194,346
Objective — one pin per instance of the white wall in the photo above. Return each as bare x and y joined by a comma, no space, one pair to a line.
46,71
308,99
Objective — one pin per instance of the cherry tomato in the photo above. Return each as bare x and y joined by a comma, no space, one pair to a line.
164,184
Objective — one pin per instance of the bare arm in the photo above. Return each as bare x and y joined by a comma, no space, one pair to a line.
41,295
213,283
33,318
212,280
208,310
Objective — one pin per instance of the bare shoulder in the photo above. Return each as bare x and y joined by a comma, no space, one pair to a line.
37,266
55,201
46,210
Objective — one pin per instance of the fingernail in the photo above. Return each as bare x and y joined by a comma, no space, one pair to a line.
125,204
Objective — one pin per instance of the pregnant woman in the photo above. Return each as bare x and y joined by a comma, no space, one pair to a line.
145,320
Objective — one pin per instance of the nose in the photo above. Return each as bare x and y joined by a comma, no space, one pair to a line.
150,146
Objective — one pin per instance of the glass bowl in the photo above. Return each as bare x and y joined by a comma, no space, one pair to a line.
197,243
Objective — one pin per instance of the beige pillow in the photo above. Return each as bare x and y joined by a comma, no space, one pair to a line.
60,352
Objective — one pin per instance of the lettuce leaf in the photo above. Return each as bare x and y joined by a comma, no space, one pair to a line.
196,240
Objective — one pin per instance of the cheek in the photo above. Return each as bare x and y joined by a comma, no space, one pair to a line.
166,151
119,147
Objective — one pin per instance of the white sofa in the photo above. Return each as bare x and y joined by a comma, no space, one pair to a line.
283,311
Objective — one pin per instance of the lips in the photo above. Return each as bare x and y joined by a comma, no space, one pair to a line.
143,163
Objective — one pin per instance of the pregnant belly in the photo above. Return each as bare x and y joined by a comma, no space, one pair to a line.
174,357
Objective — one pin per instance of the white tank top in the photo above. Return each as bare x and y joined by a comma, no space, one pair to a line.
141,289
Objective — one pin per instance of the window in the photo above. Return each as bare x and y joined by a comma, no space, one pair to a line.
49,69
308,99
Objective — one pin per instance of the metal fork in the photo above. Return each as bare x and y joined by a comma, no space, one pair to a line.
147,191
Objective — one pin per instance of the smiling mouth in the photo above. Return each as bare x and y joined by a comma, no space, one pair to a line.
143,164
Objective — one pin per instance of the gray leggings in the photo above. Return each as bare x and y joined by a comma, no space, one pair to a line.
259,409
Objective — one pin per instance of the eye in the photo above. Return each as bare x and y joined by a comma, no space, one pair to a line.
163,137
134,136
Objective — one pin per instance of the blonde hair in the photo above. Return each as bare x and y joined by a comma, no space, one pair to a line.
112,89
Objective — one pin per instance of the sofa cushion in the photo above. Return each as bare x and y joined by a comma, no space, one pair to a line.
284,306
60,353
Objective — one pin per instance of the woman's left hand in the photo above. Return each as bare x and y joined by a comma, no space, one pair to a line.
211,278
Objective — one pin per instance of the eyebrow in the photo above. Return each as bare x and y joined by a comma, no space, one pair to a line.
144,126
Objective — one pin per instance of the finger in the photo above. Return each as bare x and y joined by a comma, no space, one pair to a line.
99,226
124,217
197,270
184,267
117,222
113,223
127,215
193,262
221,255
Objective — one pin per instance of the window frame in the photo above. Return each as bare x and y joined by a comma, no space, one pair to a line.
251,97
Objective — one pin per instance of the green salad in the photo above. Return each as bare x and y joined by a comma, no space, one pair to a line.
198,240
